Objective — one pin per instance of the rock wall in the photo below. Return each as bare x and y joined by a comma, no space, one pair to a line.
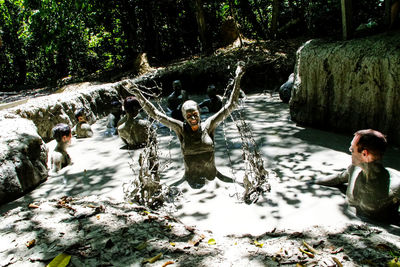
47,111
25,129
349,85
23,158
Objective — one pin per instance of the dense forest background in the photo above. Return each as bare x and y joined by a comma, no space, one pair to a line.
43,41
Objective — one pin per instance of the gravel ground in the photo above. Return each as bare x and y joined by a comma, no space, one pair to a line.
99,232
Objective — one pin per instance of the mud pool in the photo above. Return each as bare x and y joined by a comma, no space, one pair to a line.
292,154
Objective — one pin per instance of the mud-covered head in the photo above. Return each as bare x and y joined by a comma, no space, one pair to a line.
211,91
61,132
132,105
116,106
80,114
191,114
177,86
367,146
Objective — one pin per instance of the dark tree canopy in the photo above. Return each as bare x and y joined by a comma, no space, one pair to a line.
44,41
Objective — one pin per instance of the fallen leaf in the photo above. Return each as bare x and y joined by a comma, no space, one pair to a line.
154,259
310,248
31,243
196,242
337,262
167,263
172,244
98,217
394,263
61,260
211,241
33,206
258,244
337,250
309,254
189,228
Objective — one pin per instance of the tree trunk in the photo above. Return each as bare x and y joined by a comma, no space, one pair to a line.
152,40
275,14
201,24
347,25
249,14
129,26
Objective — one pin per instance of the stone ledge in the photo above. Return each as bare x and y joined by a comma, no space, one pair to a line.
349,85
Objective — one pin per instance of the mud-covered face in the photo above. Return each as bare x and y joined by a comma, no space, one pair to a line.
177,86
82,118
66,139
356,157
193,119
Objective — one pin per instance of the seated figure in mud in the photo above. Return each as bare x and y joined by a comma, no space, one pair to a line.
285,91
59,157
133,130
196,138
214,102
176,99
82,129
114,117
372,189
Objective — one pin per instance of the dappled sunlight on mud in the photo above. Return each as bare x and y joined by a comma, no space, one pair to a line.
292,155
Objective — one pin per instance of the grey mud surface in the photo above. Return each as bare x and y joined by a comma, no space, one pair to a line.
89,227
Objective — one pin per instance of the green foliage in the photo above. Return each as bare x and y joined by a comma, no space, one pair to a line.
46,40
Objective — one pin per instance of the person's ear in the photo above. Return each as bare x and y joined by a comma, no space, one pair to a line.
64,138
364,153
368,157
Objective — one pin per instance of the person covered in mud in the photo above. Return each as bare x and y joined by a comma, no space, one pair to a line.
82,129
134,131
372,189
176,99
114,117
59,157
196,137
214,101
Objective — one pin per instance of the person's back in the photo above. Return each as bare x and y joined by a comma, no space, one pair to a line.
375,192
214,102
176,99
82,129
114,117
134,131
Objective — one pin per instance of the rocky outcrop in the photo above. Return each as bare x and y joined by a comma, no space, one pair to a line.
26,127
23,158
349,85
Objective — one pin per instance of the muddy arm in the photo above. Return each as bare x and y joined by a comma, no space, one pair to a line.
151,110
224,112
336,179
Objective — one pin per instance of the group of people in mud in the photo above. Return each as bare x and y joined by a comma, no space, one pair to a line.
126,121
372,189
62,133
